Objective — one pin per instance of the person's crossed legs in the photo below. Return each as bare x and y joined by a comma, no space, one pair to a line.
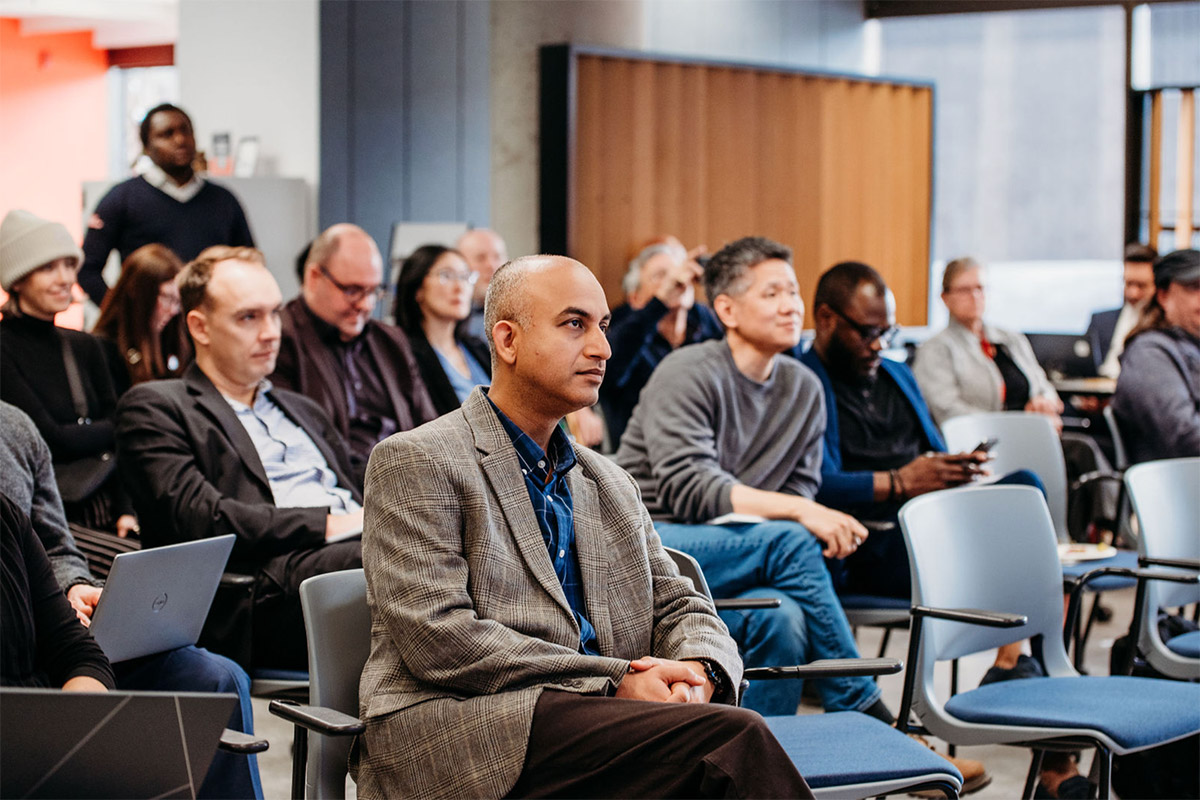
588,746
785,557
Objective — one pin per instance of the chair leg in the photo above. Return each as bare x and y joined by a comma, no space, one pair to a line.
952,748
1031,780
299,761
1105,769
883,643
1081,636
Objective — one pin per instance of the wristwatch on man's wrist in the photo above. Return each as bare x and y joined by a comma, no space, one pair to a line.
716,676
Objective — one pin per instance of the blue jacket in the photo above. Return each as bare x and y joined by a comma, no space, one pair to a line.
842,489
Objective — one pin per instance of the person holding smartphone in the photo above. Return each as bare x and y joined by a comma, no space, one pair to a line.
882,446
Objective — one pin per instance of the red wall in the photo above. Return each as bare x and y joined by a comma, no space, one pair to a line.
54,136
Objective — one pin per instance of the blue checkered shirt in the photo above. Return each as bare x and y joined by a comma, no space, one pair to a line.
546,480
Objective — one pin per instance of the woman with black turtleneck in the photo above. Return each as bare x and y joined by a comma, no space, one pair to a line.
59,377
41,642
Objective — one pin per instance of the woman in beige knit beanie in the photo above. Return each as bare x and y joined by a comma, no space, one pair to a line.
61,378
28,245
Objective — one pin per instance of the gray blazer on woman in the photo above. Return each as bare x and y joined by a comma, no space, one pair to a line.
469,623
956,376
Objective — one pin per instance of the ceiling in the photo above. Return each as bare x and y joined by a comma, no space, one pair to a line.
114,24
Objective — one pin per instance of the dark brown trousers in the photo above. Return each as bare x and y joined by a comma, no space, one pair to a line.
588,746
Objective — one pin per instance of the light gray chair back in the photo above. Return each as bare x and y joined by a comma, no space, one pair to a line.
689,568
1025,441
338,624
1166,499
990,548
1120,454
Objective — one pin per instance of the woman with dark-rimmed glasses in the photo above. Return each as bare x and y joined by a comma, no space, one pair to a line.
433,301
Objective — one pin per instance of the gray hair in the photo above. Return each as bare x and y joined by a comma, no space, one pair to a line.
726,272
633,276
506,298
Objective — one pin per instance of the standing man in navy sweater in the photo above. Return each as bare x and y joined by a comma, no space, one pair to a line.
170,204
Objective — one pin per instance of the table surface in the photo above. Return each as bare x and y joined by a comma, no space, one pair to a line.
1086,385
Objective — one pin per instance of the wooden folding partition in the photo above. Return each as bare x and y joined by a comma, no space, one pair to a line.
1185,160
837,167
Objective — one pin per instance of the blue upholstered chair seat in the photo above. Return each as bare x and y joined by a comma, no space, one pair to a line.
1105,583
1133,712
879,752
1187,645
269,674
855,601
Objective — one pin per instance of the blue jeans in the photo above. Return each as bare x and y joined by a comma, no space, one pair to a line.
192,669
784,558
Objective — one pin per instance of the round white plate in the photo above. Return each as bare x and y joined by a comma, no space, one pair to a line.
1070,553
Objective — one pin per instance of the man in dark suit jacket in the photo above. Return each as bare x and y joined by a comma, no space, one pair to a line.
359,369
222,451
1107,329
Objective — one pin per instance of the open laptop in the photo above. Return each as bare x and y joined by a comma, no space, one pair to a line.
1063,355
108,744
156,600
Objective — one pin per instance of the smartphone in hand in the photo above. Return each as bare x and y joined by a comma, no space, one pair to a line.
986,445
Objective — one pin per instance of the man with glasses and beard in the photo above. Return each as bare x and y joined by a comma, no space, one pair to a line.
359,369
882,446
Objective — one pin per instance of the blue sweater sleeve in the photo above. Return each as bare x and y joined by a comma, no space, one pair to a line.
100,240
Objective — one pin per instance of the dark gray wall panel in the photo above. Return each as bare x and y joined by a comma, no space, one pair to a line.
333,198
475,132
432,102
404,113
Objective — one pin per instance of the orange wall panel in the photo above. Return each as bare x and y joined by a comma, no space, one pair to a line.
54,136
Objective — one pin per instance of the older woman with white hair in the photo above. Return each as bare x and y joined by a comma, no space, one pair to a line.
660,315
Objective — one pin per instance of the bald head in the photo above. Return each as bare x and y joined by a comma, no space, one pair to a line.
547,319
507,293
342,278
484,251
325,246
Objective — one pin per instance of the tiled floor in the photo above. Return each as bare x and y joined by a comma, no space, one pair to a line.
1007,765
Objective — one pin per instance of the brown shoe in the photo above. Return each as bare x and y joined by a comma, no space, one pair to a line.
975,775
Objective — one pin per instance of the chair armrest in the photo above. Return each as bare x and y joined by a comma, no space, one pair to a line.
236,580
1141,575
828,668
1097,475
973,616
1177,563
238,742
318,718
746,603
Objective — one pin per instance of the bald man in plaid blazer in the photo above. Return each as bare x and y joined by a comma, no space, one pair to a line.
529,635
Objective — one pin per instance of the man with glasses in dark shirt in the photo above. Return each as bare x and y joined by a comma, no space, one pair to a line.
882,446
360,370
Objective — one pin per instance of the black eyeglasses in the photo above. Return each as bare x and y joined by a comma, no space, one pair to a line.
353,294
870,333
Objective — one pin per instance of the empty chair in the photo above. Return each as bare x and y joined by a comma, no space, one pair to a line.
1166,499
845,754
984,574
1023,441
337,622
1028,441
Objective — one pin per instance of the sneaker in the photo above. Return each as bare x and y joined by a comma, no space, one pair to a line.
1026,667
975,775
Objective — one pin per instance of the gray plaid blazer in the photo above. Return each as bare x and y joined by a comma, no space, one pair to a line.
468,621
